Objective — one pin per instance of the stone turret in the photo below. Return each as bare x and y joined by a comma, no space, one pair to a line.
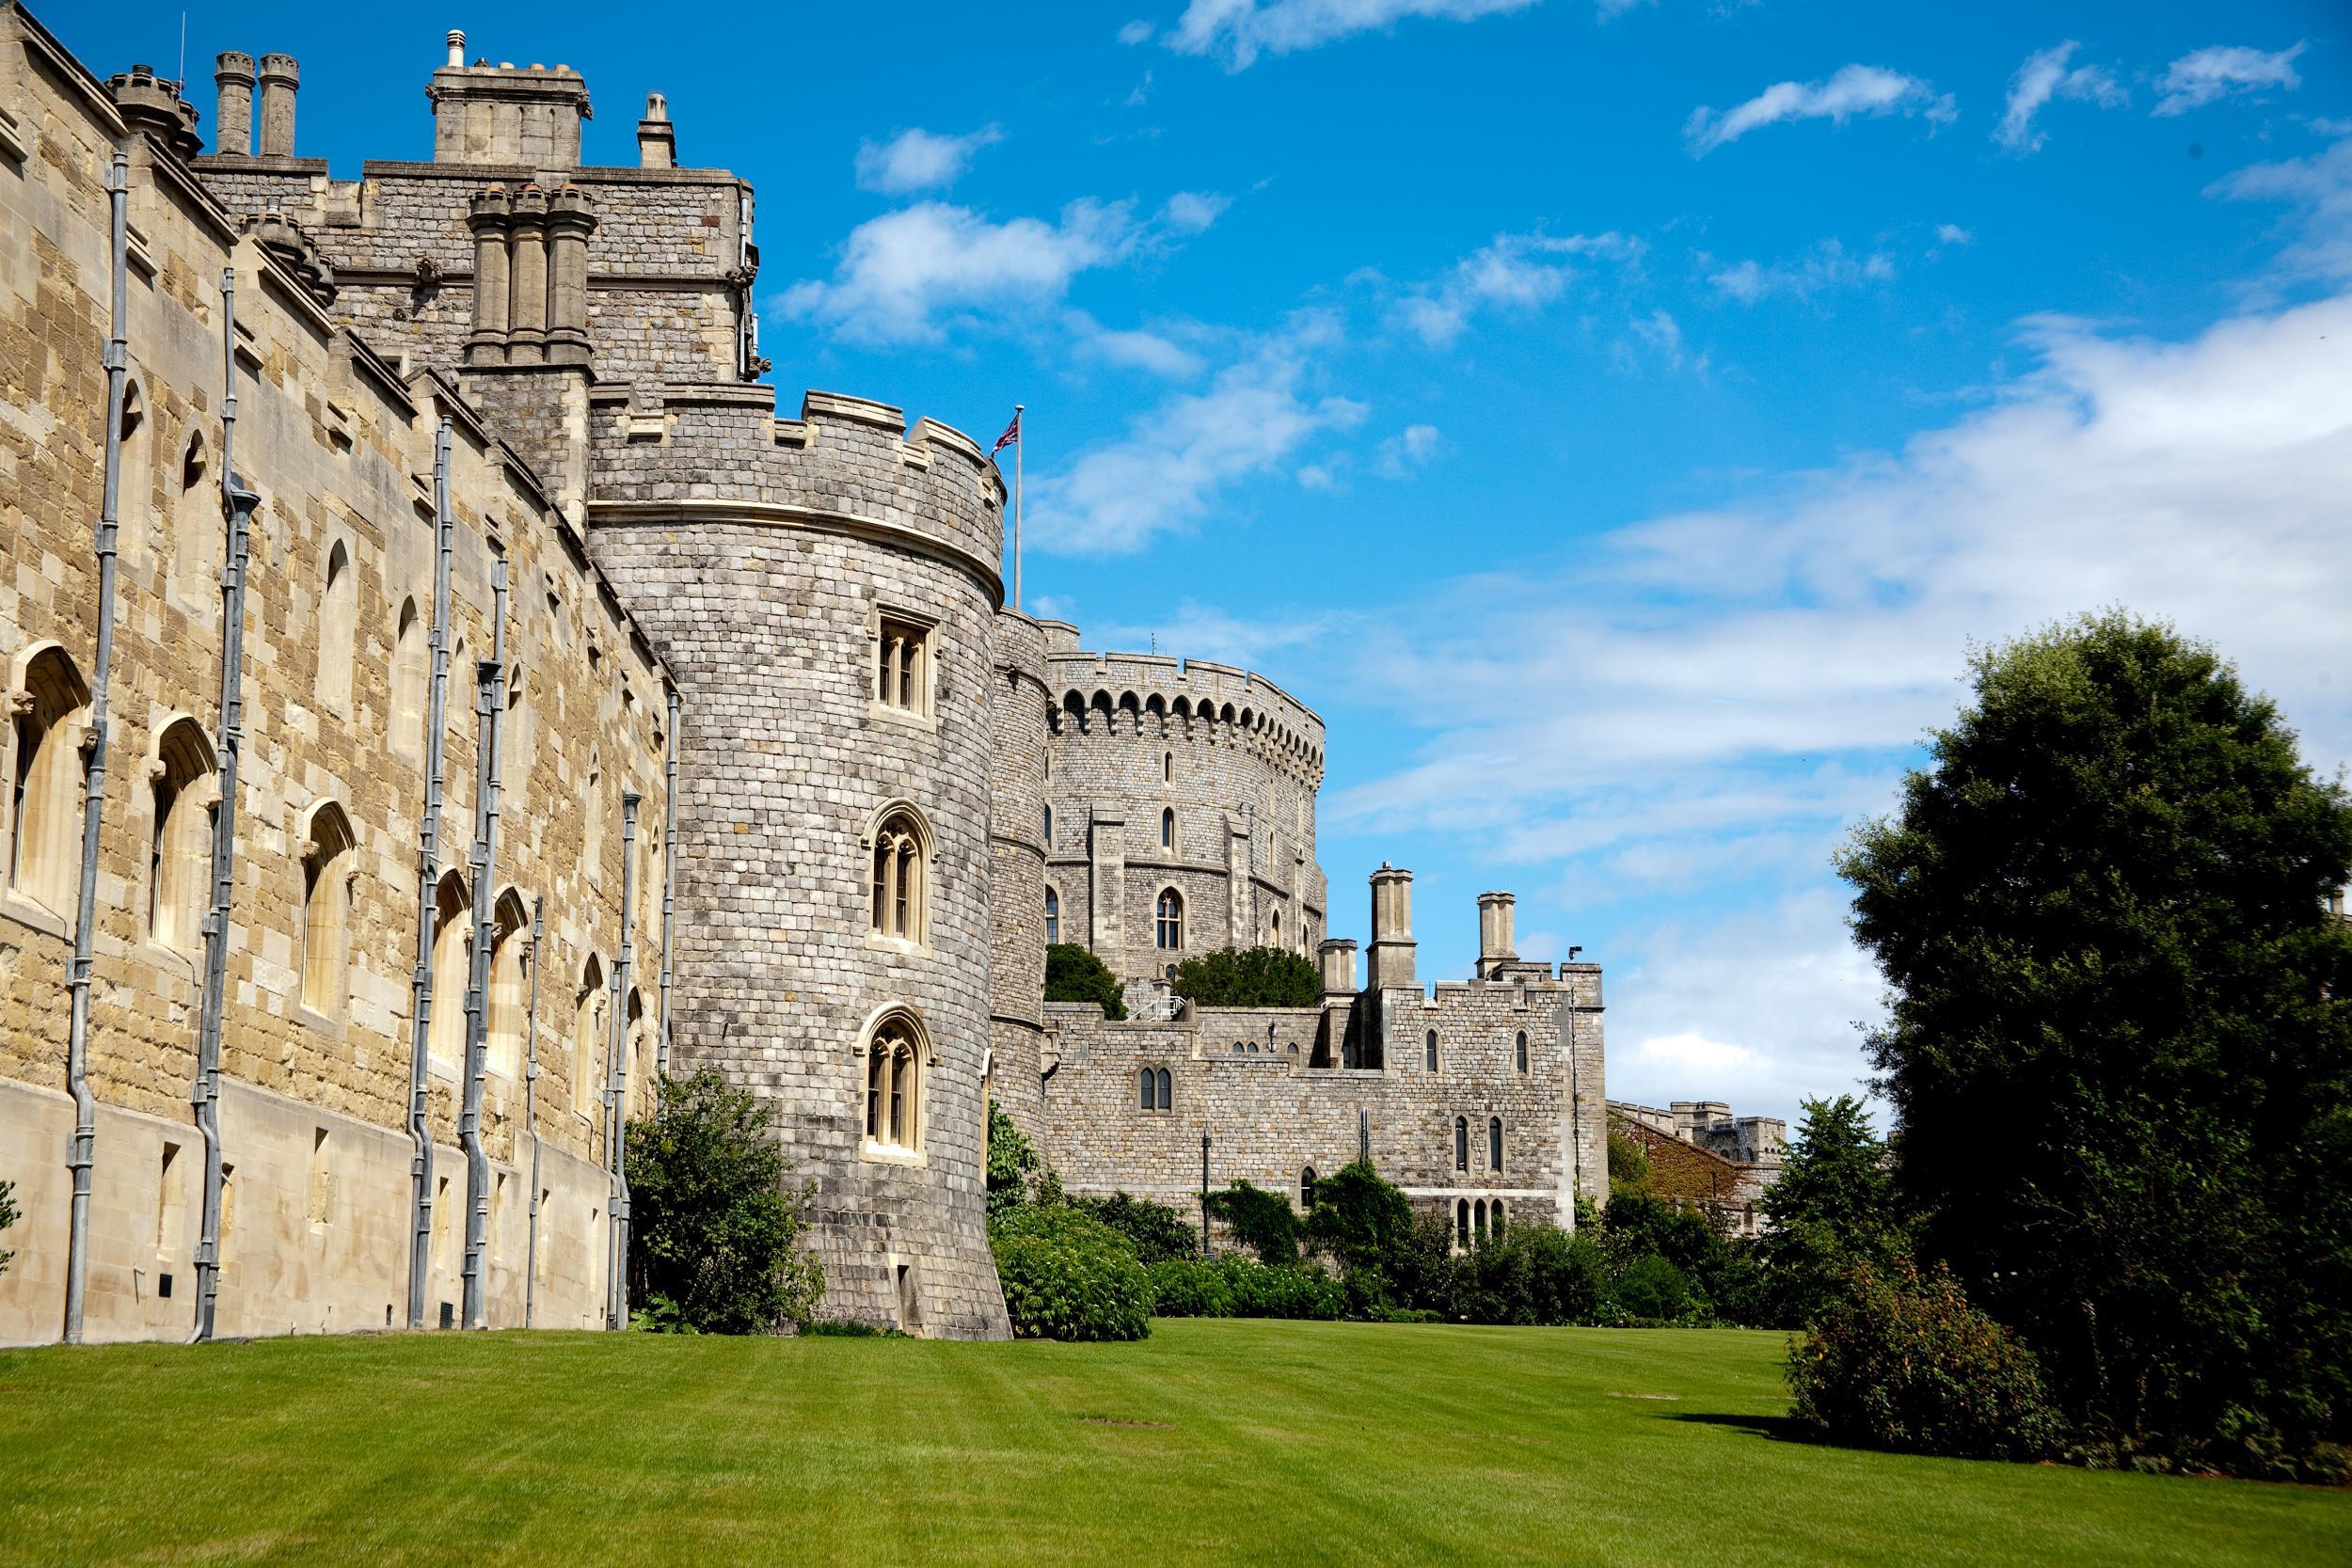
153,104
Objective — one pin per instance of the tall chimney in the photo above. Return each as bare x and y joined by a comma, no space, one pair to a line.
656,138
1392,945
279,78
233,133
1496,941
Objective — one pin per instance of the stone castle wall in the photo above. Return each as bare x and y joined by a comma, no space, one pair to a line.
1017,703
317,1204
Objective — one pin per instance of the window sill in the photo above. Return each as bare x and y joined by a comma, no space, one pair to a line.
890,1154
182,965
15,906
904,718
906,946
311,1018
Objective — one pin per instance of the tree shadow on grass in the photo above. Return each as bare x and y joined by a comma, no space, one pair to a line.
1779,1429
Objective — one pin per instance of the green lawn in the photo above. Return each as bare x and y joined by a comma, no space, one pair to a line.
1214,1442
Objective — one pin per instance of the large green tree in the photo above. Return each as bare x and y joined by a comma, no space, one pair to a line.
1249,977
1073,973
2116,1045
1833,1207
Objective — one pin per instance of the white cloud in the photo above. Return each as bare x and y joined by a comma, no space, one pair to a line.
1410,450
1828,267
918,160
2196,80
1165,471
1522,272
1240,30
1133,349
1205,632
1857,90
1138,31
1952,234
2320,187
1655,339
902,271
2044,76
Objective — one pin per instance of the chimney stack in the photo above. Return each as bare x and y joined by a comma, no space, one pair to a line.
656,138
1496,943
1392,945
232,134
281,77
456,48
1339,967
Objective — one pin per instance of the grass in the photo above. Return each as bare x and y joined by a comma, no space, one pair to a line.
1212,1443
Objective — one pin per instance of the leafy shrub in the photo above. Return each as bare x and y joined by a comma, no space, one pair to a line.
1237,1287
1534,1274
1067,1275
1362,1221
1905,1363
1628,1166
1262,1221
714,1232
1649,1289
1249,977
7,1218
1013,1165
1158,1231
1073,974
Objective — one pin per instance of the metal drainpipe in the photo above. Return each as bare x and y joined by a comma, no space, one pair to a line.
82,1151
616,1076
228,747
669,882
531,1114
489,704
428,858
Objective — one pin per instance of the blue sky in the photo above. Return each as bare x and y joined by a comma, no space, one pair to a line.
1618,419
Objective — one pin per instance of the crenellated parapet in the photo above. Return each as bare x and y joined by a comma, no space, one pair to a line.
687,450
1114,693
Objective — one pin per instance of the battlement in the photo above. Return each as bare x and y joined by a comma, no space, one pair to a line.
1116,692
506,114
682,450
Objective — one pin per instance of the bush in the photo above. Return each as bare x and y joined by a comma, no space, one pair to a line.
1157,1231
1237,1287
1534,1274
1013,1165
1067,1275
1905,1363
1074,974
713,1231
1249,977
1650,1291
1833,1207
7,1218
1362,1221
1262,1221
1628,1166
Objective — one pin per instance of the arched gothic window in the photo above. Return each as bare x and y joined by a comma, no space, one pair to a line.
637,1037
1169,932
588,1036
326,875
1155,1089
339,611
1478,1219
592,849
1168,827
45,784
1306,1188
1462,1223
1494,1143
1049,827
1167,1089
1430,1046
410,675
1494,1218
509,999
1053,917
1145,1099
1522,1050
135,509
1168,768
180,852
894,1057
896,908
452,945
199,534
1461,1143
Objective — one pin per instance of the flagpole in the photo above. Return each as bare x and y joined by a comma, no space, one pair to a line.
1017,445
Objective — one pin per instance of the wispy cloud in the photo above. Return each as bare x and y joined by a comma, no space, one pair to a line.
919,160
1655,339
1238,31
901,273
1952,234
1856,91
1829,266
1522,272
1167,470
1410,450
2319,188
1133,348
2044,77
2196,80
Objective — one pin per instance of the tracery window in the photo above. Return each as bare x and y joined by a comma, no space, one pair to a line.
903,666
1155,1089
45,786
1170,929
895,1059
896,908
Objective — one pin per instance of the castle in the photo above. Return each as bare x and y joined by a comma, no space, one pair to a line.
446,695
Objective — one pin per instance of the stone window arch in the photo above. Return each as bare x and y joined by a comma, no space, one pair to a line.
338,613
1306,1188
1494,1217
509,999
637,1037
329,866
134,504
1049,827
517,729
1053,917
1494,1143
593,848
1522,1050
187,796
588,1036
1462,1223
411,675
896,1058
1168,828
1478,1219
1461,1143
1274,927
198,529
452,944
1169,921
48,710
1168,768
1155,1088
899,854
1167,1087
1429,1048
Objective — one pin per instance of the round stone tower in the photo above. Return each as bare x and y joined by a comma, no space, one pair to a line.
1018,700
826,590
